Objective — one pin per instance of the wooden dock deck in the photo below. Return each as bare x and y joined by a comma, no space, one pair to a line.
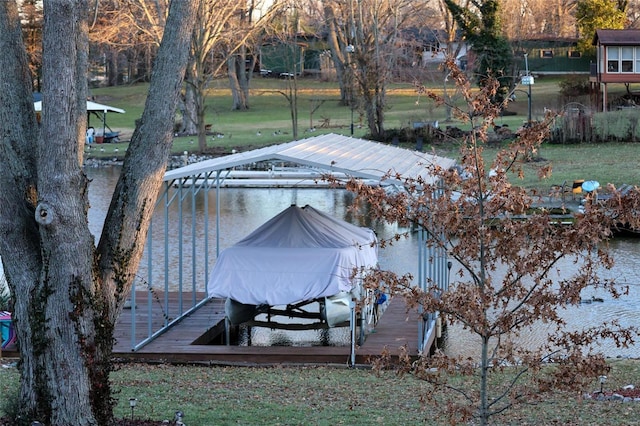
187,340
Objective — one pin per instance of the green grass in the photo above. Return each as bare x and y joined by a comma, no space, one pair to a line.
326,396
269,111
269,115
614,163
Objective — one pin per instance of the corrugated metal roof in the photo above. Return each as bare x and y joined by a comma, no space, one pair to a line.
355,157
617,37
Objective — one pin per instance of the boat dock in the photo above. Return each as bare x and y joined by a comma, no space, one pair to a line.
198,338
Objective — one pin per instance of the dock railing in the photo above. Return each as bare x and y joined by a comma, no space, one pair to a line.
178,254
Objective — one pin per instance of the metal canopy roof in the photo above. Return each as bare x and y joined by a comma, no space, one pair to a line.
354,157
91,107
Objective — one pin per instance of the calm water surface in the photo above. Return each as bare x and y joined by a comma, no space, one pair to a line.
244,209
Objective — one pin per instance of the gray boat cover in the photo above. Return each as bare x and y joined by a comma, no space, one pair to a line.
298,255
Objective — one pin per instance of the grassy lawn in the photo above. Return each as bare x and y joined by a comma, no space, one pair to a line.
319,108
337,395
267,122
606,163
325,396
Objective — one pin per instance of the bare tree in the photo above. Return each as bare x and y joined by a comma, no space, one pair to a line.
363,37
339,39
125,35
538,19
224,31
450,44
68,293
633,13
504,280
214,28
242,53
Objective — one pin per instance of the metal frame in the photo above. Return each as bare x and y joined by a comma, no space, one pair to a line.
182,187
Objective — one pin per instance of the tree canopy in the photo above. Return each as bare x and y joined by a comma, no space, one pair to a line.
504,252
482,29
592,15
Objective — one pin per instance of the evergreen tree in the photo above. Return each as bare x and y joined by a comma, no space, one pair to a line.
482,29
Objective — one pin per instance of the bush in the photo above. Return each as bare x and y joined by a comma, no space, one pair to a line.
409,135
11,408
574,86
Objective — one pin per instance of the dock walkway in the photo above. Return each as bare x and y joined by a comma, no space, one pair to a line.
188,341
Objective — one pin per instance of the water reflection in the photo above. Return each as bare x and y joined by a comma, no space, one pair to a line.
243,210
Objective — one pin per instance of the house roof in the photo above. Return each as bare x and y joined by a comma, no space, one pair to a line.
617,37
354,157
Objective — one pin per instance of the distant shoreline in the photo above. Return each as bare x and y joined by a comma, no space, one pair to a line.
175,161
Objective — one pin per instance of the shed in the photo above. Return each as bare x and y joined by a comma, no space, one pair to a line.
618,59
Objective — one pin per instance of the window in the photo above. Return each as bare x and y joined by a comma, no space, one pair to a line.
574,54
627,59
613,56
623,59
546,53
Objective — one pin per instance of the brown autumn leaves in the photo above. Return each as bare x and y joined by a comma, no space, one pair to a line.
505,255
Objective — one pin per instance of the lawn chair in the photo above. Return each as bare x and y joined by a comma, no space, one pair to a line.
576,188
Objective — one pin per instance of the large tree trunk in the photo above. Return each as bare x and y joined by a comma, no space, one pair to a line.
112,66
67,293
189,117
18,145
202,126
341,62
124,233
293,96
238,80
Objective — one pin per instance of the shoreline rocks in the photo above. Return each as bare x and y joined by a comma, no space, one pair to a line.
175,161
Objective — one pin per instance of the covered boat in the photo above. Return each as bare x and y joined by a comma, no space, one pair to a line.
297,257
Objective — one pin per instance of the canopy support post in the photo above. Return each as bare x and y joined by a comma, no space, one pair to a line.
352,325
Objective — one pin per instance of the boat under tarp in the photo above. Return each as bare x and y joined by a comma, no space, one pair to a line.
297,258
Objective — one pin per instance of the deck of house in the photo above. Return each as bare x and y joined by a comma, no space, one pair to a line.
191,339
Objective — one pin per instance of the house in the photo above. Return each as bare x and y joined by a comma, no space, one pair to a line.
617,60
551,56
284,58
431,47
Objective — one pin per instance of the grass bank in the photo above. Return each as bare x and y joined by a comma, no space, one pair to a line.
267,122
326,396
268,119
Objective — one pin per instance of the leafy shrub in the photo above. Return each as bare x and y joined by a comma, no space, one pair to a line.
574,86
617,125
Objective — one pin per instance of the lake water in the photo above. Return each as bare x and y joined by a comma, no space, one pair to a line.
244,209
